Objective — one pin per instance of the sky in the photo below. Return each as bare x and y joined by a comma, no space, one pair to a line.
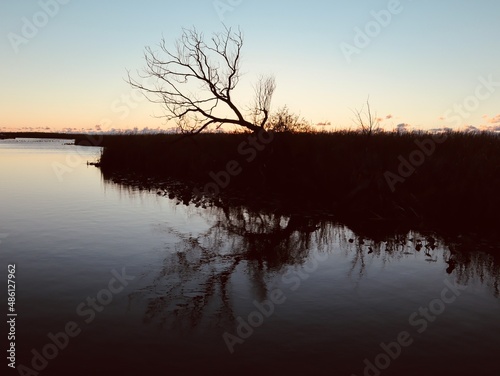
421,63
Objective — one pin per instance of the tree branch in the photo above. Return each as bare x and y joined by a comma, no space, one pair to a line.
195,83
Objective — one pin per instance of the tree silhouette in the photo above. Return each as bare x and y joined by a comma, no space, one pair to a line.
195,82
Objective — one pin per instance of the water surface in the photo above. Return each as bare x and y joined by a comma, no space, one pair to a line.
226,291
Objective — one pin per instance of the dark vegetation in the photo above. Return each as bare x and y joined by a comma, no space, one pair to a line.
344,174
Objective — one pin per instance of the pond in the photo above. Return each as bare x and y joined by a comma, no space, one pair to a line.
114,279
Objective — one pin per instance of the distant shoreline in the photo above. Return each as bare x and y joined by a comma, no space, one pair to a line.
44,135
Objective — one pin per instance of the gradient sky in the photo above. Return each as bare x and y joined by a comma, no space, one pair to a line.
427,67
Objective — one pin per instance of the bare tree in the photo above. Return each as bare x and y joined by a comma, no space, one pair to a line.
366,121
195,83
263,94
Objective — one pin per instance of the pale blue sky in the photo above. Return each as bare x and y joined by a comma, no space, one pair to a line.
429,57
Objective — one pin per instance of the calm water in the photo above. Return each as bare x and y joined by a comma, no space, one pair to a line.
142,285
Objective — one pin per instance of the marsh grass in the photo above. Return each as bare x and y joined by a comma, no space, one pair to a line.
341,172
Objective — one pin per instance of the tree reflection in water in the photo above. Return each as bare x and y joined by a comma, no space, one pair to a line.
193,283
192,287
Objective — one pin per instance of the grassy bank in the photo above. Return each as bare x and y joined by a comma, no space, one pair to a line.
451,179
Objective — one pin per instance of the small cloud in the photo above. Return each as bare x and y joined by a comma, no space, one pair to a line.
403,127
389,117
491,124
491,128
494,120
441,118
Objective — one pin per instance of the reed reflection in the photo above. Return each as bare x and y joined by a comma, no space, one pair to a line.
194,283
